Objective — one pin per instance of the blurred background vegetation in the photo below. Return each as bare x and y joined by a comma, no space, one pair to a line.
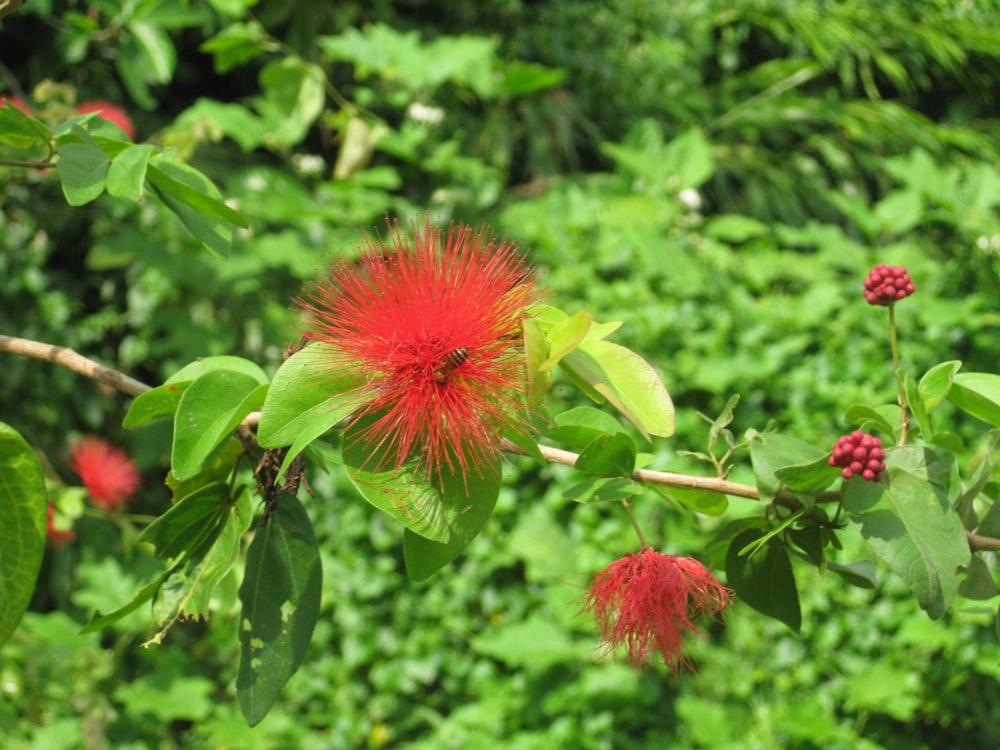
720,176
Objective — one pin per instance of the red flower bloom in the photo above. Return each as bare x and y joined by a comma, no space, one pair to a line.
107,472
648,601
56,536
111,113
434,329
15,102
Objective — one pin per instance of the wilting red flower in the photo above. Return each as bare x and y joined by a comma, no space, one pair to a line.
15,102
56,536
109,475
648,601
433,323
111,113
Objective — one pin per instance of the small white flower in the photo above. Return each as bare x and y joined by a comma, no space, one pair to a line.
425,115
308,165
690,199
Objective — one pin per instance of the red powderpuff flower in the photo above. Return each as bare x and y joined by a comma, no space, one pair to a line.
433,325
887,284
111,113
15,102
648,602
109,475
57,537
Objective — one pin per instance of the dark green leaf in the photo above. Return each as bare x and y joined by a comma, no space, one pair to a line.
978,582
280,595
188,523
860,573
23,506
764,580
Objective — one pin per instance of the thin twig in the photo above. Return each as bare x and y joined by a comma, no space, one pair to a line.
68,358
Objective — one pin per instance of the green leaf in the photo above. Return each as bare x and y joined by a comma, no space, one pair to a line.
20,131
603,490
764,580
770,452
977,393
936,383
702,501
127,173
295,90
236,44
688,160
860,574
564,337
199,367
869,419
188,593
158,56
916,403
145,594
536,351
310,393
909,523
628,382
978,583
441,507
23,506
811,478
280,595
188,523
195,200
82,169
425,557
210,409
161,401
608,455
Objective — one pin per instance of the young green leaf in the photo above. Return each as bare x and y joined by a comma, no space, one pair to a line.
977,393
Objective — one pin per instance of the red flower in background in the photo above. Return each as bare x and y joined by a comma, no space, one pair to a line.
15,102
109,475
647,602
56,536
111,113
433,323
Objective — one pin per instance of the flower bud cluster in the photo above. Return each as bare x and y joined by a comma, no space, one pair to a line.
859,454
886,284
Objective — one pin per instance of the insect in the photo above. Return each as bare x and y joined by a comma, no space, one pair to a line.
449,363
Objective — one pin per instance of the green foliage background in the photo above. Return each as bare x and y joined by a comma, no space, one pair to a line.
719,176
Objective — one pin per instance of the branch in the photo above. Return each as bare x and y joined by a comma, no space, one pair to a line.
68,358
64,357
